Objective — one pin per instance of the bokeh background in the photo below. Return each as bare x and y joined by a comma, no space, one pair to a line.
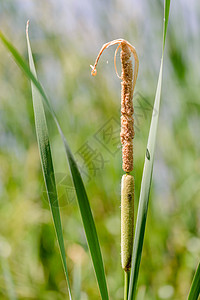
66,37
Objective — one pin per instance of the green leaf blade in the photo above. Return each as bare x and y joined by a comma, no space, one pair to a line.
83,201
47,163
88,222
166,19
86,213
147,175
195,287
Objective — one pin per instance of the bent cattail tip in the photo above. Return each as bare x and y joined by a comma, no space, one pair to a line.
127,220
94,71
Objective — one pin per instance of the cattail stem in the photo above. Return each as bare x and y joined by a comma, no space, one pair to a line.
126,284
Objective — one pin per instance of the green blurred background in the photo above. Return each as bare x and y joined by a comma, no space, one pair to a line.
66,37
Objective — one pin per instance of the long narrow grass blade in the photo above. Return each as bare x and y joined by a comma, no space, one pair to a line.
88,221
83,201
47,163
166,19
195,287
147,176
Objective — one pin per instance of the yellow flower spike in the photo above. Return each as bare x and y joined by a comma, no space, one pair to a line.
127,220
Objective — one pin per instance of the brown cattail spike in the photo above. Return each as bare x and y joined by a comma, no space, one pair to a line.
127,130
128,84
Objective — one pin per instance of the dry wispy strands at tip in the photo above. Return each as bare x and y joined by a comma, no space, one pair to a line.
128,84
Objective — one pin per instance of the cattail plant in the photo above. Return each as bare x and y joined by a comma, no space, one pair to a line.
128,77
128,82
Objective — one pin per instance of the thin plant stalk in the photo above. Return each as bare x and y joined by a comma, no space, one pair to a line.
126,284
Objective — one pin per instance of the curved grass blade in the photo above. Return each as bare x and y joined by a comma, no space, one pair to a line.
47,163
84,206
147,176
195,287
88,221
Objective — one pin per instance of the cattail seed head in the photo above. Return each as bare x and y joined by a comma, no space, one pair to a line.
127,130
128,78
